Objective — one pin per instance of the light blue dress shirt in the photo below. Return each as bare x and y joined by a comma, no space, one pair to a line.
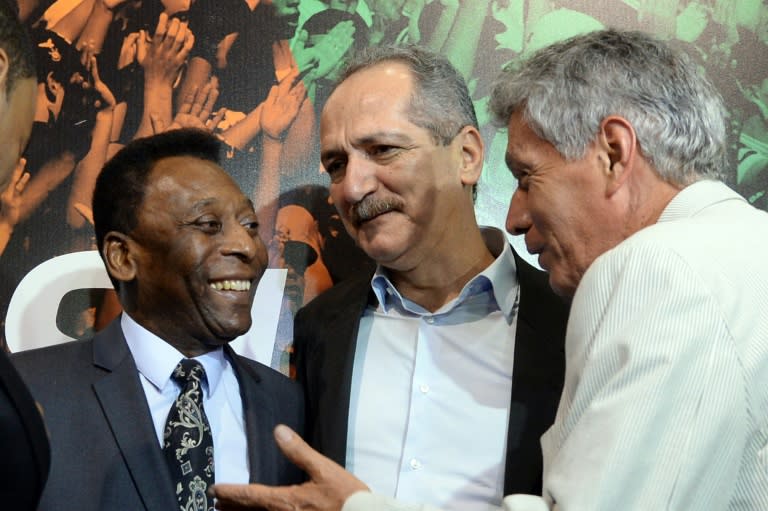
429,406
156,360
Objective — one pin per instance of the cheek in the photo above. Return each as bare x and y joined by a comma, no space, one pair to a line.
336,192
261,258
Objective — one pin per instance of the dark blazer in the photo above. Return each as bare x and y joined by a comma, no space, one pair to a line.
105,453
23,443
325,335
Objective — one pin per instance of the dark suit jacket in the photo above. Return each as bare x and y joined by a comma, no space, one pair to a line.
23,443
105,453
325,336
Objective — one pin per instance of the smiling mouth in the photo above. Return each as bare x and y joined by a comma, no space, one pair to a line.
231,285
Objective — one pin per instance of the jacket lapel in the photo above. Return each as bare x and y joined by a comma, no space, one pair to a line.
124,405
537,377
343,326
256,405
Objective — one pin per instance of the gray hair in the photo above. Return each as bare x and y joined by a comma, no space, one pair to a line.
440,102
565,90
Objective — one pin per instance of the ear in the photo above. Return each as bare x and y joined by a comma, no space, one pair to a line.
618,147
118,252
472,154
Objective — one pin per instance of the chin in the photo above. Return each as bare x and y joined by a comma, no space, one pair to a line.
561,288
224,334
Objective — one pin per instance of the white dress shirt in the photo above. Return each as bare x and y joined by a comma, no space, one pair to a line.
665,404
366,501
429,405
156,360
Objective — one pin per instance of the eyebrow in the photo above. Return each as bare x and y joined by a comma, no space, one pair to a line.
394,136
377,137
203,203
512,163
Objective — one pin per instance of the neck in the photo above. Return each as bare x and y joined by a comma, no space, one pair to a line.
651,197
435,282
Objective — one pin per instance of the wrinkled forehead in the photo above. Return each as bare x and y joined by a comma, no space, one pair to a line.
381,89
179,178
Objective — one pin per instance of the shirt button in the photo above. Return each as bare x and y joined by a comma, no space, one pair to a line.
430,319
415,464
424,388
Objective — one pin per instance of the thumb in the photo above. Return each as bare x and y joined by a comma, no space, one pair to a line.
299,452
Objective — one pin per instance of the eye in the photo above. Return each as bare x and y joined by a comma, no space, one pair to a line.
251,225
335,169
522,181
521,176
382,150
208,225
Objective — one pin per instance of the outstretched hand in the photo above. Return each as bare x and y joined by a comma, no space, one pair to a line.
329,485
196,111
165,52
282,105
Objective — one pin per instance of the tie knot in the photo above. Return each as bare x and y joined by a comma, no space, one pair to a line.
188,371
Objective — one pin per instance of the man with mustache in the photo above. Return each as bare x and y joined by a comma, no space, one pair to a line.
618,144
453,340
154,408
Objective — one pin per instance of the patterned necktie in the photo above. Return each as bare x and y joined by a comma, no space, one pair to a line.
187,440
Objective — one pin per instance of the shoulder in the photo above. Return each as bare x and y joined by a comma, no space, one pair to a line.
55,357
263,374
350,292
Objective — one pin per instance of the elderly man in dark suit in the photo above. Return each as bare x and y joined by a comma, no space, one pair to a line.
156,407
23,440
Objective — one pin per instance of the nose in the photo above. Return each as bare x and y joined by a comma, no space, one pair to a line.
359,179
518,216
241,241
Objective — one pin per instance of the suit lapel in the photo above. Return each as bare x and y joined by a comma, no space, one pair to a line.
537,377
337,370
125,407
256,404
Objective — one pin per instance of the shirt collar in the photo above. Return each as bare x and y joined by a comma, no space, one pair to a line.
500,277
156,359
695,197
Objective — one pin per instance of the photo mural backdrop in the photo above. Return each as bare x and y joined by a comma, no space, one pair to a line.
257,72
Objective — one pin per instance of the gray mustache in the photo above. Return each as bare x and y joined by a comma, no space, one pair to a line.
370,207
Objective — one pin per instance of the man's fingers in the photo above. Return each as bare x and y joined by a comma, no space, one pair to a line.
299,452
18,169
272,96
22,182
173,30
216,119
189,99
162,25
210,102
248,496
189,42
94,68
197,103
158,125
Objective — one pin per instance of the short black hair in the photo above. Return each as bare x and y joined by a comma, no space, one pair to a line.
15,40
120,187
